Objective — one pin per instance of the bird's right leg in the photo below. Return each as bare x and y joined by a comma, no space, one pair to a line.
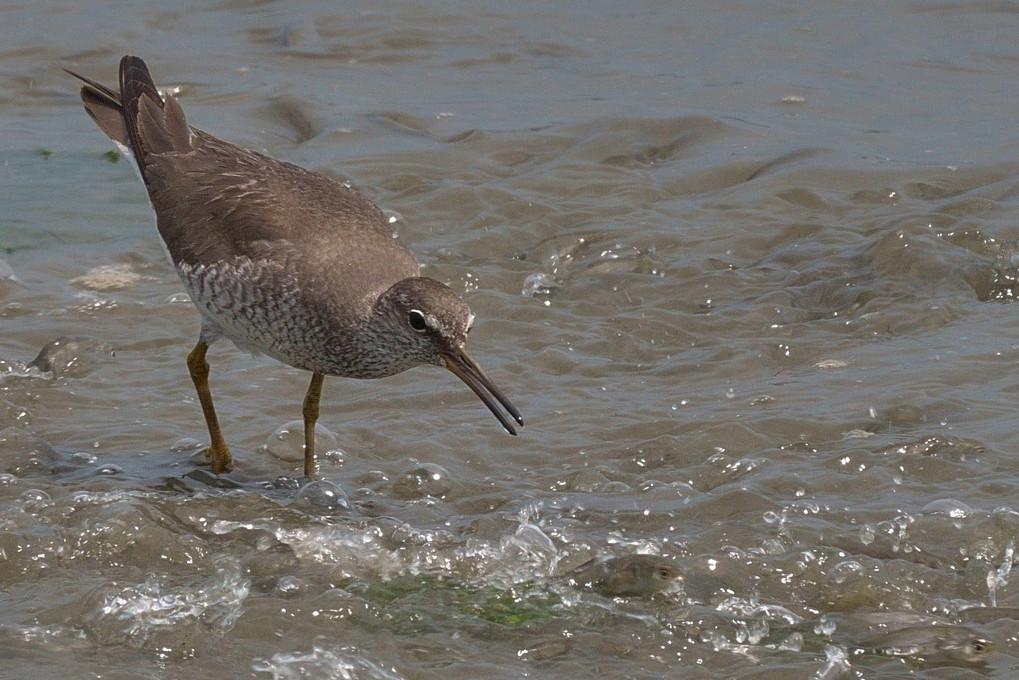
217,453
310,412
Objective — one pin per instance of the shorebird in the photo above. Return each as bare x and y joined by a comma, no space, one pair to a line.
283,261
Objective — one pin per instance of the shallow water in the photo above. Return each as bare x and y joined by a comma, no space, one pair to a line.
744,267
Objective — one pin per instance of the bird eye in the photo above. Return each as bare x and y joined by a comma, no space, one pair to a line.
417,320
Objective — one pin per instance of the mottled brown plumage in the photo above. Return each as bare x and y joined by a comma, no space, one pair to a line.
283,261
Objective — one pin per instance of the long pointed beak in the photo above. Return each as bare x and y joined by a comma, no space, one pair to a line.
461,364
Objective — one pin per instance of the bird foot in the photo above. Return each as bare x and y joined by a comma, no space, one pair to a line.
219,457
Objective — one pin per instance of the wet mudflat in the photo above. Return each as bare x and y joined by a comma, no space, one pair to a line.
745,269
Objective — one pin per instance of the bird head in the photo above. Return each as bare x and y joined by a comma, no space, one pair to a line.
430,322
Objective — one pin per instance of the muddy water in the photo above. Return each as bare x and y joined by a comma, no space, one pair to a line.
744,267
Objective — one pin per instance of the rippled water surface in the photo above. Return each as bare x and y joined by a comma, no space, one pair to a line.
744,267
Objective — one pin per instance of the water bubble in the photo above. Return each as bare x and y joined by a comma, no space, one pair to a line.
752,631
825,626
845,570
186,445
322,495
33,500
793,643
84,456
287,442
426,479
949,506
109,469
539,284
289,585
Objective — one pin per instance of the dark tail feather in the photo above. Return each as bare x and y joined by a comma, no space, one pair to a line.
103,105
154,126
137,116
137,89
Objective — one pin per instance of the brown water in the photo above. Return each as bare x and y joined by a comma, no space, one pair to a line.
742,266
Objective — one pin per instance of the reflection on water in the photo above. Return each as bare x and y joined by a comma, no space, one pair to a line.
745,270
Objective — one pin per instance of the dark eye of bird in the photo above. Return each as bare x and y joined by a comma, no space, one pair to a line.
417,320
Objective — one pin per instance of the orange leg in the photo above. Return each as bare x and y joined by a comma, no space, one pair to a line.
310,413
218,453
